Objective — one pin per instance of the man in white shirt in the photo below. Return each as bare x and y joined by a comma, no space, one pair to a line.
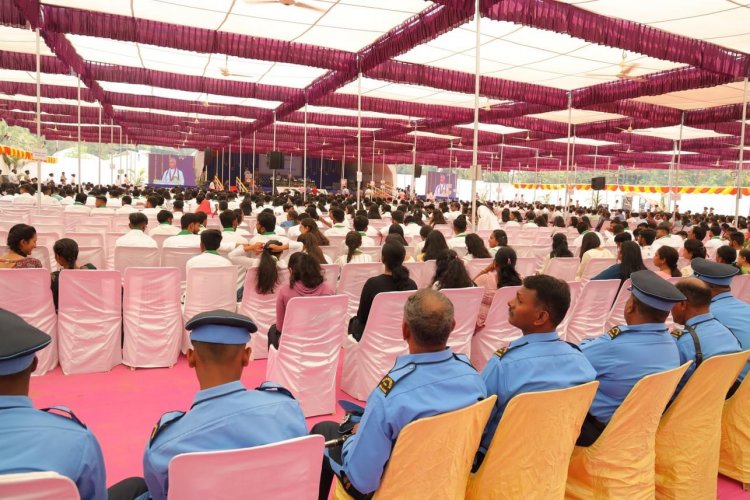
165,218
397,217
127,207
663,236
173,176
455,211
278,230
9,195
714,240
152,206
459,233
136,237
210,240
360,225
13,177
264,225
338,228
584,228
114,199
47,199
646,239
25,198
100,206
188,237
230,237
411,228
79,206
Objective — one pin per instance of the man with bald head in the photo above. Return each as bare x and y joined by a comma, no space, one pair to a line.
428,381
703,336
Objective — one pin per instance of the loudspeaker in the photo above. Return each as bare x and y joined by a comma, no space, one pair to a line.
417,170
208,157
598,183
275,160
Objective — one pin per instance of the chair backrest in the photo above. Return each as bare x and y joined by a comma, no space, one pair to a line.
531,448
595,266
421,272
136,257
261,308
475,266
294,466
310,374
575,292
373,252
178,257
563,268
210,288
497,331
466,303
734,457
43,254
432,457
527,266
332,252
616,314
159,239
38,486
92,255
336,240
588,318
331,273
689,434
87,239
353,277
742,284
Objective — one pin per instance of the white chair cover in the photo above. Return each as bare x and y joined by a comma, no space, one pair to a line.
373,252
575,292
421,272
332,252
308,355
497,332
367,361
563,268
89,321
87,239
475,266
178,257
353,277
152,317
616,314
35,306
159,239
588,318
43,254
466,303
209,288
288,470
37,486
261,308
92,255
741,287
595,266
527,266
331,273
126,257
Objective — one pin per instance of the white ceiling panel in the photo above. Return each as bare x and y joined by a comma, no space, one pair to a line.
577,116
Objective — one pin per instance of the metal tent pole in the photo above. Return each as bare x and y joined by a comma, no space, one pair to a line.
99,180
475,147
80,180
254,181
304,160
742,153
359,136
567,153
39,121
111,142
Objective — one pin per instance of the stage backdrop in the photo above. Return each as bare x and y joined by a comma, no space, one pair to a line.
442,185
170,170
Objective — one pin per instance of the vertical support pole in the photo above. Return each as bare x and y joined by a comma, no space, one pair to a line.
475,147
567,154
304,161
742,154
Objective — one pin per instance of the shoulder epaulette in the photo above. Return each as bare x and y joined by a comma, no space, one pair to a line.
677,333
271,387
614,332
387,383
501,352
571,344
463,359
164,421
65,412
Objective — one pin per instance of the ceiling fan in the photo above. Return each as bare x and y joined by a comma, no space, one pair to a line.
288,3
528,138
624,73
628,130
225,70
629,150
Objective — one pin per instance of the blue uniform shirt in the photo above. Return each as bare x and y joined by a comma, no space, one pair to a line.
418,386
32,440
224,417
735,315
712,338
623,357
535,362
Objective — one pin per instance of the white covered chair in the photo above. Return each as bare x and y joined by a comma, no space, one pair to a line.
331,252
287,470
331,273
152,317
35,306
563,268
616,314
87,239
209,288
353,277
595,266
308,354
527,266
374,252
466,303
497,332
178,257
43,254
476,266
89,321
92,255
38,486
367,361
588,317
261,308
741,284
421,272
126,257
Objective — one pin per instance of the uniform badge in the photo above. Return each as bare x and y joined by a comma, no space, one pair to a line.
677,333
386,384
614,332
501,352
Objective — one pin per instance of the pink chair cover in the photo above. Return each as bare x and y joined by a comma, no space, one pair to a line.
595,266
475,266
209,288
92,255
353,277
563,268
37,486
741,287
89,321
331,273
34,305
43,254
421,272
288,470
178,257
308,355
152,317
261,308
527,266
497,332
588,318
367,361
126,257
87,239
466,303
331,252
617,312
575,292
373,252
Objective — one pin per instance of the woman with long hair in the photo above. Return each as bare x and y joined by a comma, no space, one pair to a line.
501,273
433,245
558,222
398,231
666,259
450,272
21,242
424,232
268,268
308,225
475,248
498,238
690,250
591,248
373,212
353,242
310,246
437,218
306,279
66,256
395,278
559,249
630,261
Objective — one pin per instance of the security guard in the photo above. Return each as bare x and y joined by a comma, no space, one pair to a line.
428,381
224,415
626,354
538,361
703,336
726,308
51,439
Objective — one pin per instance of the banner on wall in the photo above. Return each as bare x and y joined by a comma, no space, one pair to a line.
441,184
642,189
170,170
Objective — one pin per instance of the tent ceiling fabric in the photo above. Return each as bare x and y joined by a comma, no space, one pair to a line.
205,74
